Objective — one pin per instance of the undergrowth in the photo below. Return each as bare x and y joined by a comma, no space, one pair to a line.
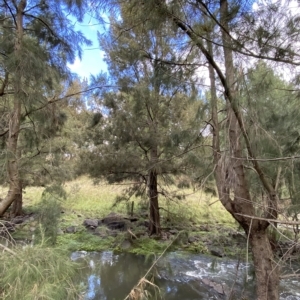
37,272
85,241
147,246
60,208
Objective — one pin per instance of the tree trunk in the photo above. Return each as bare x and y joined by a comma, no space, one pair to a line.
153,109
17,204
267,276
15,185
229,169
266,270
154,227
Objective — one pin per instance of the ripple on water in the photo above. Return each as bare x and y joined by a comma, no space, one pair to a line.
108,275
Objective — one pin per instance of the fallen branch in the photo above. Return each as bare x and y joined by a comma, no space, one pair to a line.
8,250
131,233
269,220
213,202
289,276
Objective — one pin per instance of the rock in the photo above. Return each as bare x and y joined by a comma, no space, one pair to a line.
125,245
216,252
110,218
17,220
217,287
192,239
173,231
208,242
91,223
115,221
71,229
132,219
32,228
117,225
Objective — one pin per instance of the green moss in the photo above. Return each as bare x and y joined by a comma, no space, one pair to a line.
147,245
86,200
85,241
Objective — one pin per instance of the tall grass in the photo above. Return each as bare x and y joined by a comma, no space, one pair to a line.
37,273
95,201
197,208
92,200
42,272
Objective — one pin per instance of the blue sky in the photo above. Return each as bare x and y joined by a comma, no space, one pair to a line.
92,59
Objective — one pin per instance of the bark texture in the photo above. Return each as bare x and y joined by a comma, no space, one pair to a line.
266,270
267,275
13,156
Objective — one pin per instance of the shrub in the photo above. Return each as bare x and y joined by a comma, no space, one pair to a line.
50,209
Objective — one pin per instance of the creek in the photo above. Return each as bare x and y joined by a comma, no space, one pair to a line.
110,276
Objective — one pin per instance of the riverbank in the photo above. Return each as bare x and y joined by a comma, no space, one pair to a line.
85,216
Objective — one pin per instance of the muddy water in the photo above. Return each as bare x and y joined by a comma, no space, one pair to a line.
109,276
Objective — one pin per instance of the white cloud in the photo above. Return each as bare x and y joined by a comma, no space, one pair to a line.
76,65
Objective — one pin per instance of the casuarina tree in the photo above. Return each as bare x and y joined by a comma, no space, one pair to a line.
37,41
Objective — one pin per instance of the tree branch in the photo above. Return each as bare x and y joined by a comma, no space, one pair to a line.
269,220
13,16
248,52
43,22
54,100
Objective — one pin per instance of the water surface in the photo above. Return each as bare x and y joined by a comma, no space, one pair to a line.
109,276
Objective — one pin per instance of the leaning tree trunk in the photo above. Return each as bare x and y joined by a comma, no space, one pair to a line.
229,171
267,274
154,226
230,175
15,184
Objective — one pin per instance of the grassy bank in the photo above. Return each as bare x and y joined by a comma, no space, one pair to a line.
194,223
199,217
37,272
90,200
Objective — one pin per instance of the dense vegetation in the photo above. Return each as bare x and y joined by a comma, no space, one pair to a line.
200,97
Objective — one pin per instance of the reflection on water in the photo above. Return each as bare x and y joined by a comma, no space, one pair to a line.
110,276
